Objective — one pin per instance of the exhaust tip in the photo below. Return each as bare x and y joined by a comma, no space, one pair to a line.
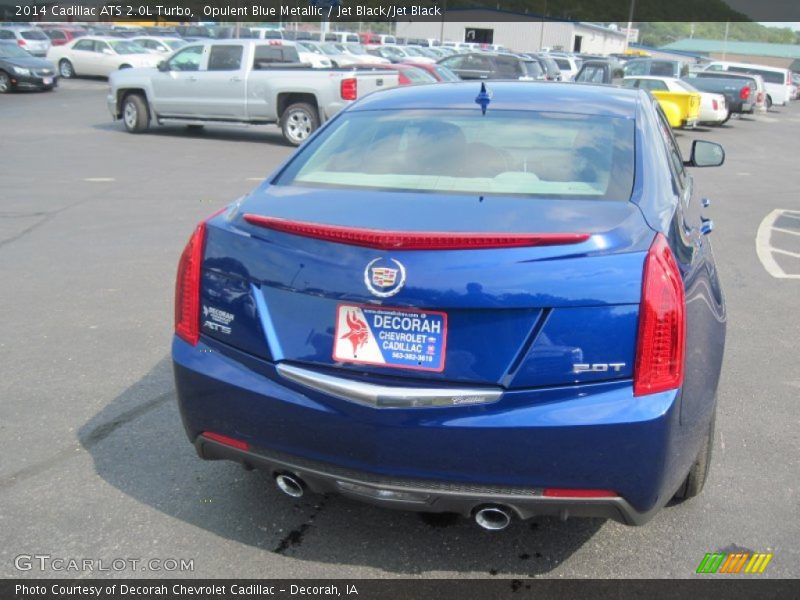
493,518
290,485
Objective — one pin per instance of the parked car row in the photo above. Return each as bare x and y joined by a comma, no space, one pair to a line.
687,96
723,88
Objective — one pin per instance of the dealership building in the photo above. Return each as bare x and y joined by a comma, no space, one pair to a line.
523,33
761,53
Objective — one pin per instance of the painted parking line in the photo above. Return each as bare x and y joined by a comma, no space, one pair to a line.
99,179
766,250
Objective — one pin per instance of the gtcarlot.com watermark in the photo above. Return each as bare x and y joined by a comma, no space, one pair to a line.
59,564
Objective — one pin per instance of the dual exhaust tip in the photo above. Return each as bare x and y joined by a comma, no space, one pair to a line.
492,517
290,485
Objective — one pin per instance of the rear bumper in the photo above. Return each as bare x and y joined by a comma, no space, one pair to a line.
421,496
594,436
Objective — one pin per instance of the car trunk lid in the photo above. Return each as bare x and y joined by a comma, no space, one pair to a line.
526,316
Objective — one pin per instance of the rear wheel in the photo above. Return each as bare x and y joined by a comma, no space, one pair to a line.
5,82
769,102
66,69
698,474
124,67
135,115
298,122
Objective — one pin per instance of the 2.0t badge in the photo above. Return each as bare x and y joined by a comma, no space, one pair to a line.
384,277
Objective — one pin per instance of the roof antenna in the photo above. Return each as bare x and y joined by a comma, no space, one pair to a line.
483,98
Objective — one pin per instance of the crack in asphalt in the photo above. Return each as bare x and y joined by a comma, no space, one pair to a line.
48,216
94,437
102,431
21,215
296,536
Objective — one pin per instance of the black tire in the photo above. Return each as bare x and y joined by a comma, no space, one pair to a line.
698,474
65,69
5,83
135,114
124,67
298,122
769,102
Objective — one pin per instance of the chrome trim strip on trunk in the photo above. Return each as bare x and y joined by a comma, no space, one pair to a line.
385,396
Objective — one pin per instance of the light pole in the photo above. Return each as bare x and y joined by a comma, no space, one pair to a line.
441,27
541,27
725,43
630,24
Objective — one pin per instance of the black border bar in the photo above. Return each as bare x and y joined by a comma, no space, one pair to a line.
604,11
711,587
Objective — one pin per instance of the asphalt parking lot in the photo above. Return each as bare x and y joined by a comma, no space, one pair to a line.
95,461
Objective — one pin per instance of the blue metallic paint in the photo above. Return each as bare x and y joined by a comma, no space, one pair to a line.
559,304
595,436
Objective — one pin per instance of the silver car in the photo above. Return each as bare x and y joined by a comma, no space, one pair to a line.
30,39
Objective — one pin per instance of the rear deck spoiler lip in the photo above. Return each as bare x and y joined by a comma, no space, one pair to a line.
382,239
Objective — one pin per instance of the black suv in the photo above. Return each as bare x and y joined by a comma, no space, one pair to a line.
483,65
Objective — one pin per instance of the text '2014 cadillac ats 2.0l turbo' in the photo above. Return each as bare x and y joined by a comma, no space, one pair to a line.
500,303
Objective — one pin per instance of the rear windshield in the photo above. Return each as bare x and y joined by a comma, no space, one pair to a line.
725,76
522,153
34,35
533,68
11,51
769,76
416,75
445,73
686,86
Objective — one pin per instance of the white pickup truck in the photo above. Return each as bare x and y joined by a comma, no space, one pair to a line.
238,81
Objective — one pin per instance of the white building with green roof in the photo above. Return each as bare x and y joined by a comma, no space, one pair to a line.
762,53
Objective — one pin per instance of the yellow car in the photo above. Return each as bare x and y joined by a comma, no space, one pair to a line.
682,109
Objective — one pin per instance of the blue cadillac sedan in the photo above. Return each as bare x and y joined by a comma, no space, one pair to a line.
497,302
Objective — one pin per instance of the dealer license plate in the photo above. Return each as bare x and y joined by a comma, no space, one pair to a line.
398,338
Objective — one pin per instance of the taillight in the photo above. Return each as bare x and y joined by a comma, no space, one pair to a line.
660,347
788,78
349,88
760,97
228,441
187,288
21,43
187,285
744,93
714,104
